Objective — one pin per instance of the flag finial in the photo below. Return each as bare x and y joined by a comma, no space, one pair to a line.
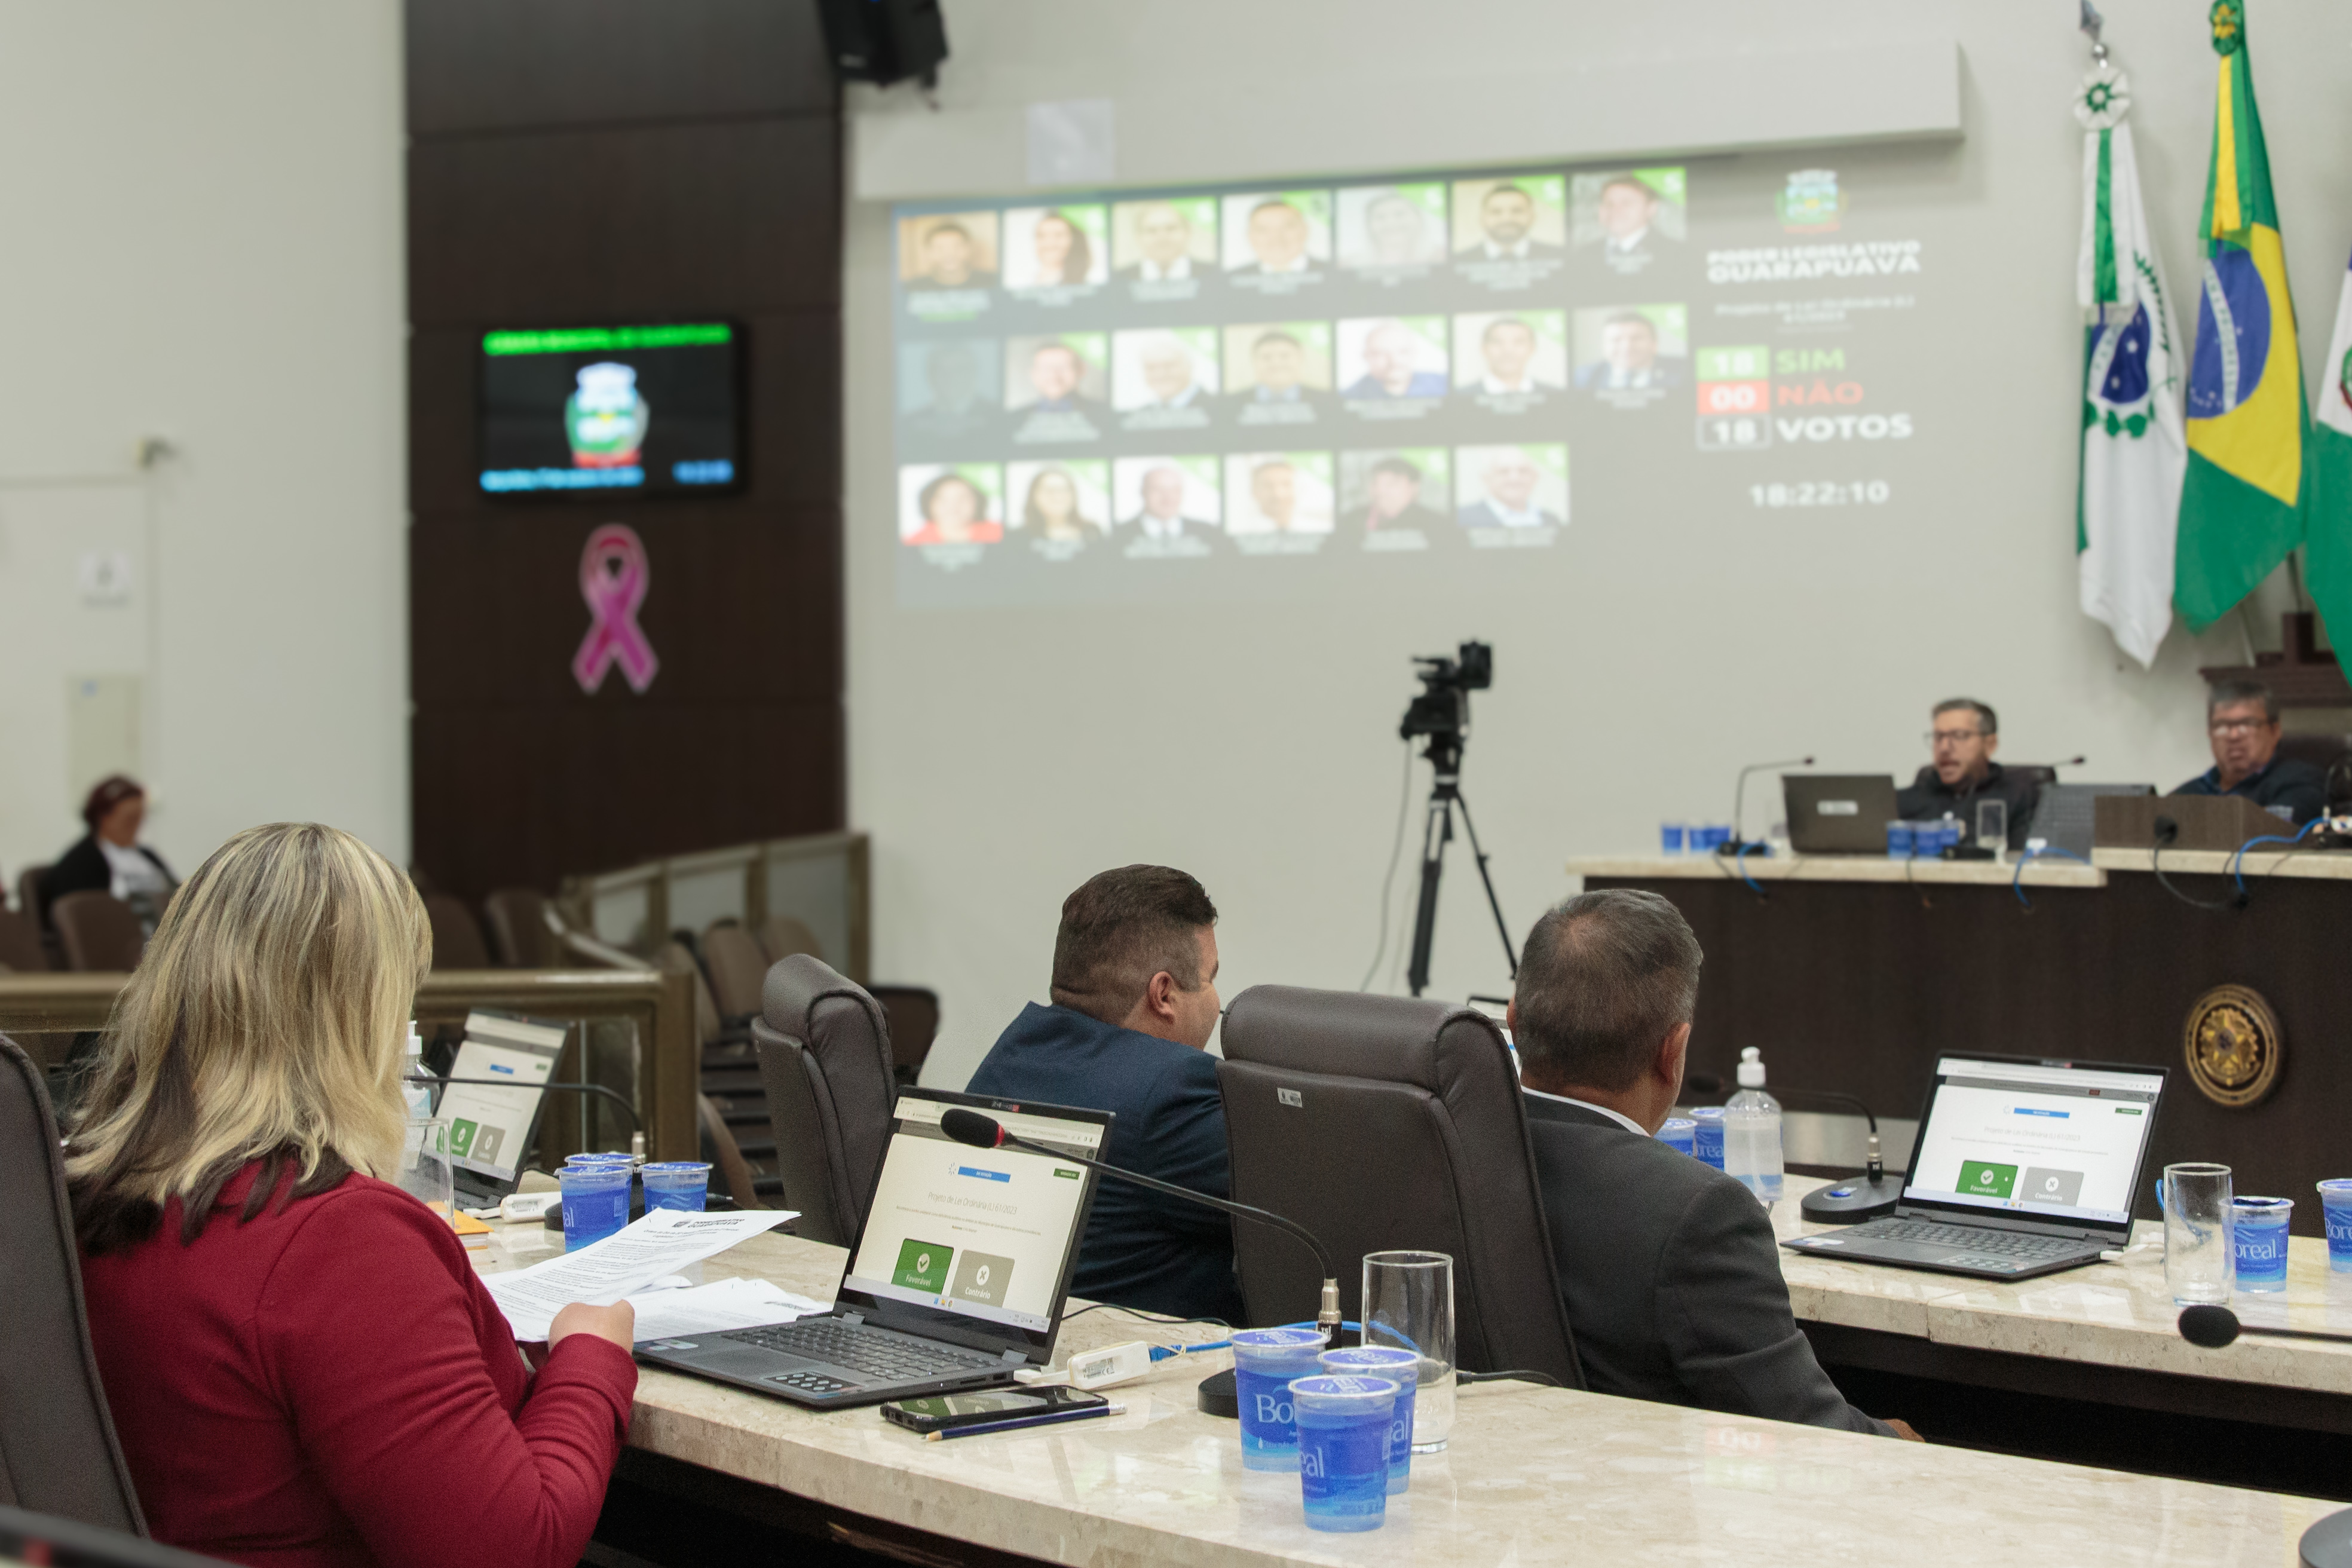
2091,25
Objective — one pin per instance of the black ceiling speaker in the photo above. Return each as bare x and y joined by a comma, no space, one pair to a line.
883,41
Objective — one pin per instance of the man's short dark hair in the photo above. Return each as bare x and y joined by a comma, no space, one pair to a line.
1402,467
957,229
1642,186
1499,322
1988,721
1121,928
2228,693
1276,336
1633,319
1505,189
1605,978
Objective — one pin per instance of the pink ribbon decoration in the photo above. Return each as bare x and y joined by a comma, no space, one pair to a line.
614,578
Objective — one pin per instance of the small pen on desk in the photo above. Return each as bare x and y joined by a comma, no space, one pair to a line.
1047,1419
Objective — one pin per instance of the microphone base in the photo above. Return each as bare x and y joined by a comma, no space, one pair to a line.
2328,1543
1730,848
1217,1396
1849,1202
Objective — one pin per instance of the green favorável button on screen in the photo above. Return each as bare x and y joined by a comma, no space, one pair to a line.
1981,1178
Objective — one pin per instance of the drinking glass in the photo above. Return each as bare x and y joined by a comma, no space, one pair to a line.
1992,825
2197,1263
425,1170
1409,1301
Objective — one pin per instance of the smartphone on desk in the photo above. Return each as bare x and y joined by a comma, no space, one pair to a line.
988,1406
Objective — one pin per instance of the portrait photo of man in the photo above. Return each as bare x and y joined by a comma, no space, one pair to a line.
1508,361
1164,500
1505,225
1389,492
1159,242
1513,489
1162,372
1391,359
1632,356
1278,375
1276,235
947,390
1626,218
955,250
1279,493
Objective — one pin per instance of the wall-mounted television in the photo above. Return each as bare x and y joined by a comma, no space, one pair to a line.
619,410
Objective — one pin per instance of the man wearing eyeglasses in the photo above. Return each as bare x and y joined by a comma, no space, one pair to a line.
2242,720
1963,736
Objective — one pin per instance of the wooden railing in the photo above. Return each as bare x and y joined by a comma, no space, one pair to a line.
660,1005
822,879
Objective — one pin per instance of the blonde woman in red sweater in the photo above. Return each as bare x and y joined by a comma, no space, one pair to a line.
302,1367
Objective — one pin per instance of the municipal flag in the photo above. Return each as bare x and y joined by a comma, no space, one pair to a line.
2128,501
2241,505
2327,494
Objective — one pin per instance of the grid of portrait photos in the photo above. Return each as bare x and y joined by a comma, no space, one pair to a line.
1385,367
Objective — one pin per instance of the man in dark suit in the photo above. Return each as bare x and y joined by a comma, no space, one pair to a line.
1507,221
2242,720
1135,1000
1669,1267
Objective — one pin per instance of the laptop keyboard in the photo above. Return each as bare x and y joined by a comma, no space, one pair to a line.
877,1354
1998,1243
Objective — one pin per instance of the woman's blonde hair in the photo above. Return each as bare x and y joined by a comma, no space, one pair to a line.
265,1022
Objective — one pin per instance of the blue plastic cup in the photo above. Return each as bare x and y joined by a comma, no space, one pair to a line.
599,1160
676,1184
1265,1363
1399,1366
1680,1132
2258,1242
1706,1133
2336,1197
595,1202
1344,1425
1670,837
1901,841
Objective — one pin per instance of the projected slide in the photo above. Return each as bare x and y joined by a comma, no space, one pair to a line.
1324,388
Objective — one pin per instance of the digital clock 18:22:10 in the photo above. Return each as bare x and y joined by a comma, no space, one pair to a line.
1822,492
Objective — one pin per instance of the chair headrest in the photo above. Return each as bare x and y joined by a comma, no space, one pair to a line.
791,998
1350,1034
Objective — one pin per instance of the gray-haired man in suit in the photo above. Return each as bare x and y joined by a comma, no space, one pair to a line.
1670,1269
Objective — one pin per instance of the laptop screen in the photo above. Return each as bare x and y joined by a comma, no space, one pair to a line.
2038,1139
987,1236
490,1122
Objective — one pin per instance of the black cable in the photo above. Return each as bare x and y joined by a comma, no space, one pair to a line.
1521,1375
1147,1317
1396,853
2167,830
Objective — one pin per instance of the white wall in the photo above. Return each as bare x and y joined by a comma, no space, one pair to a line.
999,758
203,241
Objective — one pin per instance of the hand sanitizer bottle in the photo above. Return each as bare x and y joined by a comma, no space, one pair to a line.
1751,1132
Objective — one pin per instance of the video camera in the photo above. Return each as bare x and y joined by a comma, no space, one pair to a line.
1443,708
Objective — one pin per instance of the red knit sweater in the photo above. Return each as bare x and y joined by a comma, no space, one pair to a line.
330,1386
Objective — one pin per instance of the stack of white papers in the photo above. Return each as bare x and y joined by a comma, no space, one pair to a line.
621,1265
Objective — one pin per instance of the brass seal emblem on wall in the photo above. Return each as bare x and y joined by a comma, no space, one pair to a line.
2233,1046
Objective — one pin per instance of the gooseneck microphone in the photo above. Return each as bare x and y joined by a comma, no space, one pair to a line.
1739,839
986,1133
1840,1202
2214,1327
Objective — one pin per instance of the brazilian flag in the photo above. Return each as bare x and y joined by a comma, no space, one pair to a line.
2241,505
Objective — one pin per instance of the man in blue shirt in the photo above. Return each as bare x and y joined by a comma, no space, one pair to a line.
1135,1000
2242,718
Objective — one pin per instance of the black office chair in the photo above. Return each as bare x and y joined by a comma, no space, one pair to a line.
57,1448
824,1055
1382,1123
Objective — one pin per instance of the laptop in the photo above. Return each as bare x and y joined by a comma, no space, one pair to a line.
957,1279
2022,1166
2064,814
1838,814
492,1124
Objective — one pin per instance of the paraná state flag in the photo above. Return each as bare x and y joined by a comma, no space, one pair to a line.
2128,501
2328,486
2241,503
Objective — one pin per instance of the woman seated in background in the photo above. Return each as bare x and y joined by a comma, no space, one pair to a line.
302,1367
109,859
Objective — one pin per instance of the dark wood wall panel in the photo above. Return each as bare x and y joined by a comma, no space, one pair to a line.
1858,987
575,161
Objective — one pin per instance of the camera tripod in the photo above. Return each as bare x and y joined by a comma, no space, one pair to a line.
1444,754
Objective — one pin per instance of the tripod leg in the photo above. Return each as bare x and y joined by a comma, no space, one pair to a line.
1434,835
1510,955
